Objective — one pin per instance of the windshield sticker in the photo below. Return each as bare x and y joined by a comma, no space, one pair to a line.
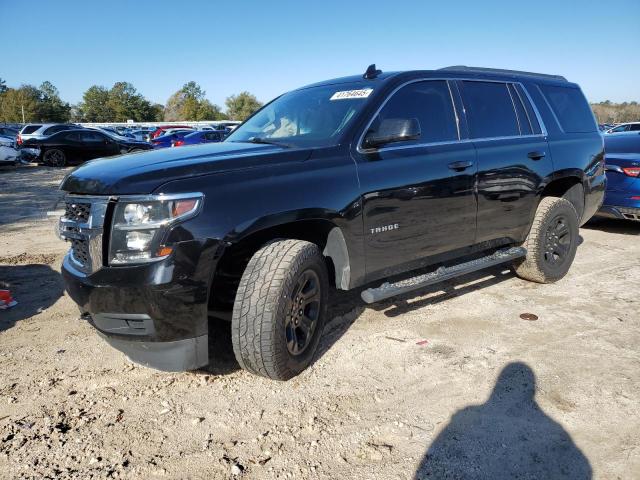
345,94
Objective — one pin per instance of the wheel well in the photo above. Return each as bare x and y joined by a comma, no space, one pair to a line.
235,258
569,188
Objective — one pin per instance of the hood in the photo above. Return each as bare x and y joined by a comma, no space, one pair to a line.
142,173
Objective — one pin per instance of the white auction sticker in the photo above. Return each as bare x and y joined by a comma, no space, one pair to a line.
343,95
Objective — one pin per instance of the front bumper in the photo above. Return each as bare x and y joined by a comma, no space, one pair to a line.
155,313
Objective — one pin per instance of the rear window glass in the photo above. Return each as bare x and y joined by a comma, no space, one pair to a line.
523,118
489,110
570,107
30,129
530,112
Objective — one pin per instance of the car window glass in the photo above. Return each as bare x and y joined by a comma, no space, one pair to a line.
533,119
523,118
490,111
635,127
75,136
92,137
570,107
30,129
430,103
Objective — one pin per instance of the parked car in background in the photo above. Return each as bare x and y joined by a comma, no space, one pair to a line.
76,146
168,140
622,160
625,127
201,136
161,130
9,132
141,135
43,130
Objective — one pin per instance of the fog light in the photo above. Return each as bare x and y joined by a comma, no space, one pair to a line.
138,240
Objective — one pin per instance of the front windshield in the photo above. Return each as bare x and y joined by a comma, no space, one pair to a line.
313,117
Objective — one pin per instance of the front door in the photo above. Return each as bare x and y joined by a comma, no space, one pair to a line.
418,195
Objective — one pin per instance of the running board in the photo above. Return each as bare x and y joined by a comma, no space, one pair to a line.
387,290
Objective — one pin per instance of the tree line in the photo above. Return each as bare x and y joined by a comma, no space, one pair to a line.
609,112
119,103
123,102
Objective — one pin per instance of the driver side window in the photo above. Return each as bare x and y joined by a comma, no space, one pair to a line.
429,102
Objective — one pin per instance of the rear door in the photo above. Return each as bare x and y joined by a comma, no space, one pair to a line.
513,158
417,195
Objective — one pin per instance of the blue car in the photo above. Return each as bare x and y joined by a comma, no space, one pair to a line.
622,199
201,136
169,139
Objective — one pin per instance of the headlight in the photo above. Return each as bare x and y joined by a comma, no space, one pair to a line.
140,223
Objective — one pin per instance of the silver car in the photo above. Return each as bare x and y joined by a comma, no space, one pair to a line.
43,130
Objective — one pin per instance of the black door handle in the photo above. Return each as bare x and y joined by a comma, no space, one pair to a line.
460,165
536,155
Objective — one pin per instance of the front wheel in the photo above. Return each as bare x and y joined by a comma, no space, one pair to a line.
54,158
552,242
280,309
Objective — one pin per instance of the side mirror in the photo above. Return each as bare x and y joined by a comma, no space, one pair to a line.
393,130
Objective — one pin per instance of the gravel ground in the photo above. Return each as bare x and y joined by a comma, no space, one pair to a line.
446,383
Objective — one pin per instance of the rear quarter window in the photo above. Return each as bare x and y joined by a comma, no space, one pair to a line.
30,129
570,108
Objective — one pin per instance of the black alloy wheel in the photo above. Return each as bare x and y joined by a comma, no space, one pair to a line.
303,311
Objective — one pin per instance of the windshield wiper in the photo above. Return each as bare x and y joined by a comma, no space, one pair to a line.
266,141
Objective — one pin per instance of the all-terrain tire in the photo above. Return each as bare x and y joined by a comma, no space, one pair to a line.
552,242
262,326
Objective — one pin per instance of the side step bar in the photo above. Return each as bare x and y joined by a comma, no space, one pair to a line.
388,290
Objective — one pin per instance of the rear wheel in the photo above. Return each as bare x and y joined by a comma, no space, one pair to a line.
280,309
552,242
54,158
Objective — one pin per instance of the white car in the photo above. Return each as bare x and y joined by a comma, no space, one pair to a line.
625,127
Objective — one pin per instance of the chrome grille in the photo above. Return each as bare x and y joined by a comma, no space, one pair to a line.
82,225
77,211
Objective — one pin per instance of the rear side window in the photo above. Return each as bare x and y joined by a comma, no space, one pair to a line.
523,118
535,125
30,129
570,107
490,110
430,103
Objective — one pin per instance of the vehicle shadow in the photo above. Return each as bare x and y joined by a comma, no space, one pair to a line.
508,436
612,225
35,287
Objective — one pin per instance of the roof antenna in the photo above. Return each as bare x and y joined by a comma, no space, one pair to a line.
371,72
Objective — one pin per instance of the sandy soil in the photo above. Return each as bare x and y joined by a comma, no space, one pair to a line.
446,383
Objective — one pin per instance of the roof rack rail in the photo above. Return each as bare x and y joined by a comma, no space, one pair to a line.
464,68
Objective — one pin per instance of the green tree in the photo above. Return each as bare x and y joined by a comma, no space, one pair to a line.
3,86
189,103
52,108
241,106
93,107
14,100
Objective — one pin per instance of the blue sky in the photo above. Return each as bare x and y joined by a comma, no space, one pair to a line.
268,47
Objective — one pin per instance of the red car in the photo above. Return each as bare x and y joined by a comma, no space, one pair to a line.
160,130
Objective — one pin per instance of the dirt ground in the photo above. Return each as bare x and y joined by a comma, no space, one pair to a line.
446,383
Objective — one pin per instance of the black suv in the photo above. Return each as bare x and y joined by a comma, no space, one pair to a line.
334,185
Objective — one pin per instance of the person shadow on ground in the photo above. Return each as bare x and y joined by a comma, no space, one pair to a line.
508,437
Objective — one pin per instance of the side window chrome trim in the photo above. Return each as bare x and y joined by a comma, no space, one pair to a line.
448,142
367,151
